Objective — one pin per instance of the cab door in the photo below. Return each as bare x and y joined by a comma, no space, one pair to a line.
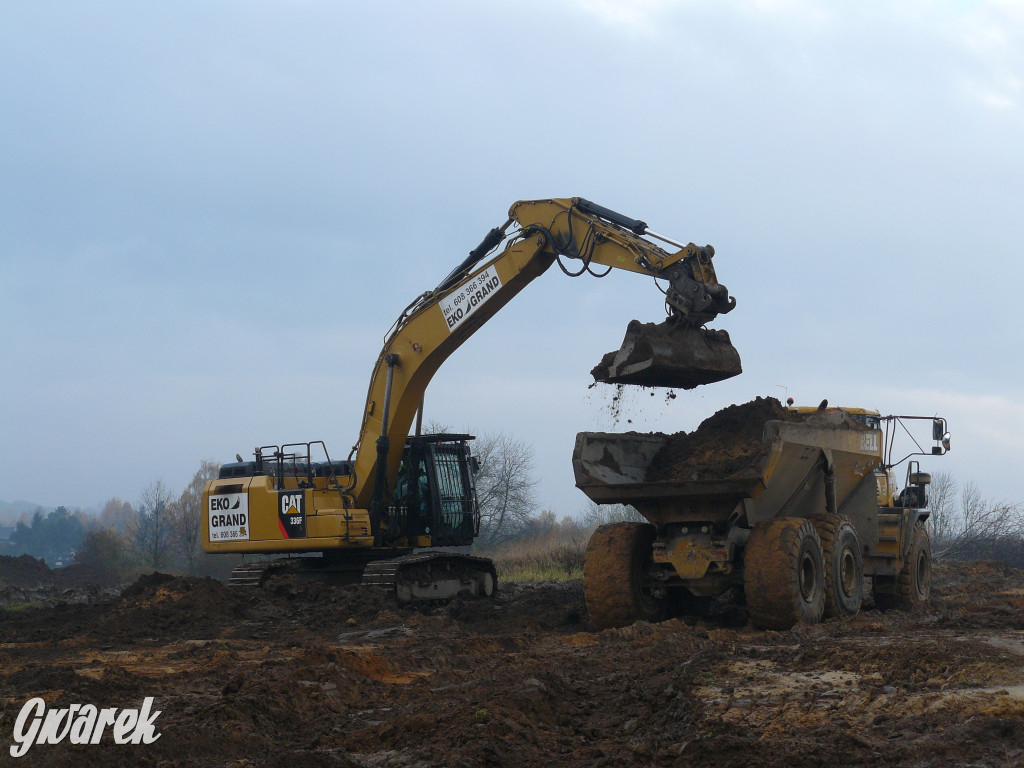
456,516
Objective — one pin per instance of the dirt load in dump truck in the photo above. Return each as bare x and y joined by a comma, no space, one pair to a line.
794,506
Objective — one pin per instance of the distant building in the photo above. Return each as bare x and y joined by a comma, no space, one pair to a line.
5,532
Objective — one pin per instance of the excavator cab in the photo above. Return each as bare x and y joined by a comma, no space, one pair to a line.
434,493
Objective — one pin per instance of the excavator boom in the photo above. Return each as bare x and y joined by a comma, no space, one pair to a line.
580,237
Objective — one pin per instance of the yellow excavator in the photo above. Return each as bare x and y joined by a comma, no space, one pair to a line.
385,510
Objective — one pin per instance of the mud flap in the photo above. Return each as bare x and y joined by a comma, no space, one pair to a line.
669,354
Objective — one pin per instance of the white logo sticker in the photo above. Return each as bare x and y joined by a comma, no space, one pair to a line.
229,517
82,724
462,303
869,442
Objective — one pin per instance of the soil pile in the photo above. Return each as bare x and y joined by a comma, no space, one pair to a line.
24,572
316,675
722,445
26,580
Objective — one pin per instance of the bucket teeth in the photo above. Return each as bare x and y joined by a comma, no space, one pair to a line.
669,354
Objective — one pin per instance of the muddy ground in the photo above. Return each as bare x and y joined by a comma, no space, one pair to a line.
314,675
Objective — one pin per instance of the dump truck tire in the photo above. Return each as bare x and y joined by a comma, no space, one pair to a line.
844,566
784,574
617,558
913,585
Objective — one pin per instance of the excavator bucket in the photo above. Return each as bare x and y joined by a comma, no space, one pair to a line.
669,354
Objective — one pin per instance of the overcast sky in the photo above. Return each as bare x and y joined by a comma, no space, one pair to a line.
212,212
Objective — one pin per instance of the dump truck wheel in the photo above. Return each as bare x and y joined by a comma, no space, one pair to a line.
615,580
913,585
844,566
784,573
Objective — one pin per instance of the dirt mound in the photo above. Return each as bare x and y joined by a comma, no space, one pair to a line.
146,584
723,444
94,682
160,606
314,674
24,572
81,575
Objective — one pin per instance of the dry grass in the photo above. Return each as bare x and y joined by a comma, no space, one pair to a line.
556,555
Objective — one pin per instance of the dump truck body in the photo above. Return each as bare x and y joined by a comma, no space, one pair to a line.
783,479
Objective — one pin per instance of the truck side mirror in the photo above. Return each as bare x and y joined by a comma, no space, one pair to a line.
938,429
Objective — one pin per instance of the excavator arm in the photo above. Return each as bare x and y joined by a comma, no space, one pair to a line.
593,234
581,237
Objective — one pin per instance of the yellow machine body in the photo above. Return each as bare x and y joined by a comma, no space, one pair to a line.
354,507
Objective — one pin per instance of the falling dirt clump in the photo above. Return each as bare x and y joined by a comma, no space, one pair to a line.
600,371
615,407
723,444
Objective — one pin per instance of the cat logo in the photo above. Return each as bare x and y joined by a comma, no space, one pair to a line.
291,514
291,503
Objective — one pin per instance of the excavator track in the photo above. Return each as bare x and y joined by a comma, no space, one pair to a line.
433,576
333,570
255,574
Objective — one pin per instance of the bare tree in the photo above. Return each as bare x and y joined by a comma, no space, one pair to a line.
943,522
188,513
504,485
966,526
598,514
152,524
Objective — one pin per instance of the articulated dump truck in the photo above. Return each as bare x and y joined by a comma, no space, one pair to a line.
789,508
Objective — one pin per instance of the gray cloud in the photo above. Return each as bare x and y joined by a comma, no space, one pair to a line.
212,213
